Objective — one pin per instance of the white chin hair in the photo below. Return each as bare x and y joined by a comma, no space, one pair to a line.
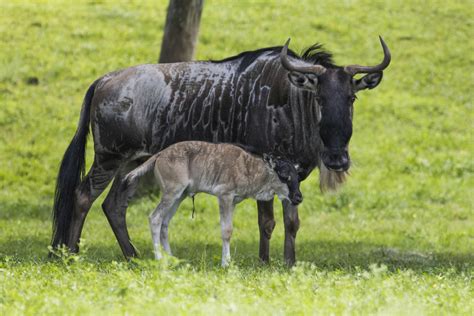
330,180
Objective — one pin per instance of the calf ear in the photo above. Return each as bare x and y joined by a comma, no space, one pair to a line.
369,81
298,169
303,81
269,160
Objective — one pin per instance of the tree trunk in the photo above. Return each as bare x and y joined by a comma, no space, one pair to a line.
181,30
179,41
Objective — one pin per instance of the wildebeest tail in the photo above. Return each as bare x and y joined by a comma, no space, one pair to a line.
142,169
70,174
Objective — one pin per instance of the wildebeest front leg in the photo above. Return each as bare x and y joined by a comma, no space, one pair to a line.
292,224
226,209
266,224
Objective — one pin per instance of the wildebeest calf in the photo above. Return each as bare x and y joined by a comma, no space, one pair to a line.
224,170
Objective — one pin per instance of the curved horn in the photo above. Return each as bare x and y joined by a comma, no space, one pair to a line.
316,69
355,69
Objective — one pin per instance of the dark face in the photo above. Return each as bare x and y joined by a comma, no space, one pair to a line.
335,92
287,173
335,96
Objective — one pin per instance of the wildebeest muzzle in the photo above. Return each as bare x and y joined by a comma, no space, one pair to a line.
336,159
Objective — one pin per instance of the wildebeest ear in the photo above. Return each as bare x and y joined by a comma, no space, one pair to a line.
369,81
303,81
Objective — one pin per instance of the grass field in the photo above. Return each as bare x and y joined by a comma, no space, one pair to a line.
397,239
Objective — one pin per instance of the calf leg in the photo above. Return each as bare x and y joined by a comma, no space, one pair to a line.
266,224
226,209
155,219
165,224
164,235
292,224
168,203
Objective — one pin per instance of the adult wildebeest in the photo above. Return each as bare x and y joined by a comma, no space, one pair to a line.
270,99
224,170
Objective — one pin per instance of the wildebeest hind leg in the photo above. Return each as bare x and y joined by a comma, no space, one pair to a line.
93,184
115,209
266,224
292,224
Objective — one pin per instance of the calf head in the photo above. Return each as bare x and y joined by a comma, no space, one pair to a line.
288,174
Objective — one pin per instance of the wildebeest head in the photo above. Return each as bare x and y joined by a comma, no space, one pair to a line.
288,174
335,91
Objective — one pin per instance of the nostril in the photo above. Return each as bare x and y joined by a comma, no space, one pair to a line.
297,200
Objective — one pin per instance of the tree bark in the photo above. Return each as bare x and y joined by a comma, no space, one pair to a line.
181,30
179,41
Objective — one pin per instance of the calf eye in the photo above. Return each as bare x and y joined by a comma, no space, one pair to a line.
283,175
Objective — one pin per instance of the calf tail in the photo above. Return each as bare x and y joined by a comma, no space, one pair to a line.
139,171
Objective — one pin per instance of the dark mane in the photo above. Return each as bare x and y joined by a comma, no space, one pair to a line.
249,57
313,54
316,55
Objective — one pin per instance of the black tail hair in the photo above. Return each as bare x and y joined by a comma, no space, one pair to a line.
71,172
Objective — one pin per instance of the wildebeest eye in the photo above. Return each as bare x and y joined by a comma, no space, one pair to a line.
301,80
352,98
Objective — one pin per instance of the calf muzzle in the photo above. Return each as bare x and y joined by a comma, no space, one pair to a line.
296,198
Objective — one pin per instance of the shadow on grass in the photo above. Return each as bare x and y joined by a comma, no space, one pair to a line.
326,255
329,255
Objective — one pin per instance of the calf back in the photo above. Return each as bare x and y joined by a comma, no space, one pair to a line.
213,168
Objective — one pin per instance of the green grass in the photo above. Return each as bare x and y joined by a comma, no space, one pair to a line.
398,238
